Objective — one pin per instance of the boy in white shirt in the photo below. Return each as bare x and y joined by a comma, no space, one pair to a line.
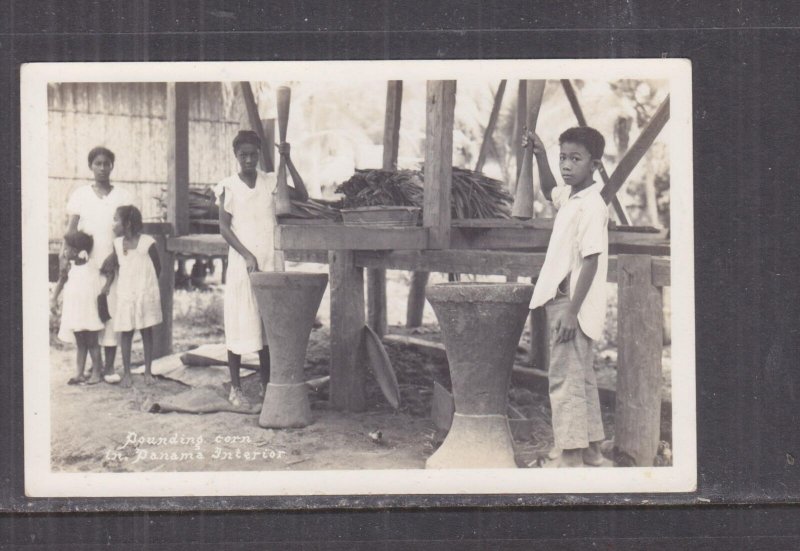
571,286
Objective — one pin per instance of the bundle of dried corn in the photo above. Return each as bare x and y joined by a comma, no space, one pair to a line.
473,194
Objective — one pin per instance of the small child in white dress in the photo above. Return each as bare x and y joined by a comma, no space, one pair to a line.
136,264
246,220
81,282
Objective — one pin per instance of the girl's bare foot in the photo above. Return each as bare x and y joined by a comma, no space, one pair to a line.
149,379
77,380
94,379
571,458
127,381
237,399
592,455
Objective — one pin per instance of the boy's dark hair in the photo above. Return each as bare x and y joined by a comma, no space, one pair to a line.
130,217
100,150
588,137
246,136
79,241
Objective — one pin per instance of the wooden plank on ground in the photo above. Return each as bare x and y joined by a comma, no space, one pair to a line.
640,340
340,237
178,156
348,374
440,109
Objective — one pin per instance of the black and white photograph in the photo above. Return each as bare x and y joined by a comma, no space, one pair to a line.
358,278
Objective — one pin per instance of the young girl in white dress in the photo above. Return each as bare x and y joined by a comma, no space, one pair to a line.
246,220
82,283
138,266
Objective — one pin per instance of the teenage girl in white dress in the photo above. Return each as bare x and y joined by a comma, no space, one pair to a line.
246,220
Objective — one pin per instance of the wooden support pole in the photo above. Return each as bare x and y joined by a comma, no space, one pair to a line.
256,126
162,334
636,151
348,374
269,144
178,156
440,110
640,340
376,278
523,196
539,352
416,299
487,134
572,97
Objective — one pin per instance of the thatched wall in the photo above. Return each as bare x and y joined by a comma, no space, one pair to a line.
130,119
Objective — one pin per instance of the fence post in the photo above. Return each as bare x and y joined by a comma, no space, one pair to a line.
640,342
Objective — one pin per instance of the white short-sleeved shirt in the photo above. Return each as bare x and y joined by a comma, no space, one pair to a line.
97,217
580,230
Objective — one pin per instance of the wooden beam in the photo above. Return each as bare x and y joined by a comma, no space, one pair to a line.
339,237
376,278
268,151
523,196
178,156
440,110
487,134
415,306
162,333
572,97
348,374
637,151
255,124
391,124
528,238
639,336
522,114
507,263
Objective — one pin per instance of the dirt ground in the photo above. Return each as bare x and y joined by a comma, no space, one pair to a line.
105,428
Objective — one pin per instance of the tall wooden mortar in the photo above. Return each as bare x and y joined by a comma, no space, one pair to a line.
288,302
481,325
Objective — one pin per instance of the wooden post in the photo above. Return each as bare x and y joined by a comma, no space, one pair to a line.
519,128
539,353
269,144
440,111
487,134
162,334
178,156
640,340
348,374
257,127
416,299
376,278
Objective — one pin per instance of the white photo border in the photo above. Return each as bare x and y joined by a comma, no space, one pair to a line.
41,481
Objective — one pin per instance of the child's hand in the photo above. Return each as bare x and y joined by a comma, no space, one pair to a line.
531,138
283,148
251,263
566,327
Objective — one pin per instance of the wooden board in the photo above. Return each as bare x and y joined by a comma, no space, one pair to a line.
440,109
348,375
340,237
380,365
640,340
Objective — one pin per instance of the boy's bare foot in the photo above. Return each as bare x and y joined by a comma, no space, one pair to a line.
237,399
76,380
571,458
94,379
149,379
127,381
592,455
